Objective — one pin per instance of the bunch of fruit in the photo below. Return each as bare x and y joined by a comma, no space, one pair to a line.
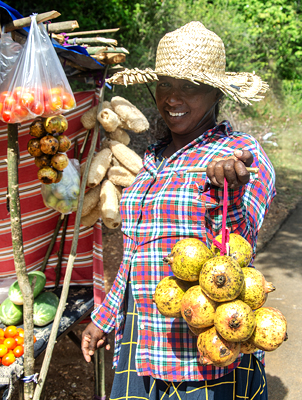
49,146
11,344
22,103
221,299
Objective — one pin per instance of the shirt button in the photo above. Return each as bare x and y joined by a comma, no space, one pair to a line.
142,326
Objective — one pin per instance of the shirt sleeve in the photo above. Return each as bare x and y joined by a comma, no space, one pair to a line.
246,206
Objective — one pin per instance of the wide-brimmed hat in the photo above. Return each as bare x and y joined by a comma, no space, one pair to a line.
197,54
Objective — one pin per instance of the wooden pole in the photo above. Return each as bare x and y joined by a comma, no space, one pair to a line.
65,26
72,256
24,22
106,49
19,260
93,32
95,40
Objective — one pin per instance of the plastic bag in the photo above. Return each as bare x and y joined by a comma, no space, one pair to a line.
9,52
63,196
37,84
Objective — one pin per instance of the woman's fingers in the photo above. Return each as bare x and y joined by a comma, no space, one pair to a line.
245,156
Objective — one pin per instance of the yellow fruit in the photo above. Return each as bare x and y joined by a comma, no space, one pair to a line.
56,124
240,249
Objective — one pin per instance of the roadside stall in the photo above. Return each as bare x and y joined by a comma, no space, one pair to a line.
36,235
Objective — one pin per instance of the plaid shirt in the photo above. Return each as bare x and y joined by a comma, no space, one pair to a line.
161,208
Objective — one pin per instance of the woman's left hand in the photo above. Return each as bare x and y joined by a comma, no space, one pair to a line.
232,168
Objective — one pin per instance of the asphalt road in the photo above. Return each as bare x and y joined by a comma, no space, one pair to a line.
281,263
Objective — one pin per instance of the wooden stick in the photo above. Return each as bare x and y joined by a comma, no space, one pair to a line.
72,256
60,252
252,170
93,32
23,22
106,49
19,259
84,145
110,58
95,40
52,243
65,26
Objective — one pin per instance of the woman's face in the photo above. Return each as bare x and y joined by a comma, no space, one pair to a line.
182,104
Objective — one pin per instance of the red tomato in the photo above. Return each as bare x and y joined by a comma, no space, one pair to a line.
35,339
8,359
19,340
47,109
18,351
7,116
1,333
37,108
4,95
9,103
27,99
3,350
1,340
68,101
10,343
17,92
10,331
20,332
20,111
56,102
57,91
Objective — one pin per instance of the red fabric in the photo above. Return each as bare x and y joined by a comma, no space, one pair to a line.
39,222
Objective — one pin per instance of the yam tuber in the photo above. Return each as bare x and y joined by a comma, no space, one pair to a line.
120,176
98,167
126,156
131,115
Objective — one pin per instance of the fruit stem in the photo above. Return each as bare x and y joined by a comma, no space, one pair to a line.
220,280
168,259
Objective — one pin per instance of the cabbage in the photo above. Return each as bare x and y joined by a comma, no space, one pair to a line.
45,308
14,292
10,313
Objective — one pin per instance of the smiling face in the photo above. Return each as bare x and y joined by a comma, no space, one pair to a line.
182,104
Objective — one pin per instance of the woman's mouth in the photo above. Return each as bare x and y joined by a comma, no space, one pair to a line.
175,114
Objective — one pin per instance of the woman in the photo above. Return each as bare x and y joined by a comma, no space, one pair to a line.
157,357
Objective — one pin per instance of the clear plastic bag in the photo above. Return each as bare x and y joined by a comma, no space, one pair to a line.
63,196
37,84
9,52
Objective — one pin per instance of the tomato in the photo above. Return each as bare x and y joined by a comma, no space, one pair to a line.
1,333
37,108
35,339
19,340
10,343
68,101
4,95
18,351
17,92
8,359
6,116
27,99
10,331
20,332
9,103
2,340
57,91
55,102
20,111
47,109
3,350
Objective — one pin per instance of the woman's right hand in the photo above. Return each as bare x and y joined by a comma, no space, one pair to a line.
92,339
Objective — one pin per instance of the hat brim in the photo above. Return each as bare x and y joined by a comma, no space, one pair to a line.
243,87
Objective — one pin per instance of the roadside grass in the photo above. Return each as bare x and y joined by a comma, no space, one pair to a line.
277,125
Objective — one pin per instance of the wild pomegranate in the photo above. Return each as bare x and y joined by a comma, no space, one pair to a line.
255,288
234,320
221,278
240,249
197,309
247,347
270,330
212,346
187,258
168,295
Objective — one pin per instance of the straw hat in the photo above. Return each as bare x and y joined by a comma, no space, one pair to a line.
197,54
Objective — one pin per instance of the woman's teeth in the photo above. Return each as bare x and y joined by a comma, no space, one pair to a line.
176,114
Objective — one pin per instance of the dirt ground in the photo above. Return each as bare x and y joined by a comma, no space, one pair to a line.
69,376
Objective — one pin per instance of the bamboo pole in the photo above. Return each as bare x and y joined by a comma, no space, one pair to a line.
93,32
106,49
19,260
95,40
24,22
72,256
60,253
65,26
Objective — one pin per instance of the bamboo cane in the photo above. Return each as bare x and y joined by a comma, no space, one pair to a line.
95,40
60,253
93,32
106,49
19,260
23,22
72,256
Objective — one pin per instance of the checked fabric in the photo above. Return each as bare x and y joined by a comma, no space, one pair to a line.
160,208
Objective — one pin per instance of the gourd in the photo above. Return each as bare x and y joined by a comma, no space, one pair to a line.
14,292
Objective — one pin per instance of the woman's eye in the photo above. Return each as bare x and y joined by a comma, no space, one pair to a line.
163,84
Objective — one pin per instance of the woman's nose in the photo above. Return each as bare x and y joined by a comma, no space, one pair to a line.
174,98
